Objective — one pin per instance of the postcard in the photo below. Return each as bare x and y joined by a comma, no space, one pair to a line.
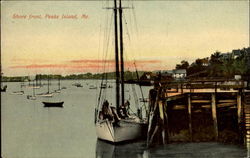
125,78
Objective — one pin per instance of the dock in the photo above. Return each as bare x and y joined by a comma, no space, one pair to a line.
198,111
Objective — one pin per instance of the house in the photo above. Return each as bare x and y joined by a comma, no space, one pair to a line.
226,56
236,53
177,74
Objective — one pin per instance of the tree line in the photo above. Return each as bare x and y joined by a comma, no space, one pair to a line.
128,75
219,65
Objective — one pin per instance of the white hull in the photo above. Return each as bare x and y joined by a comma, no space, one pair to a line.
45,95
127,130
31,97
34,87
57,91
18,93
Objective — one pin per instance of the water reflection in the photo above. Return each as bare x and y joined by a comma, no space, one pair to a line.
181,150
131,150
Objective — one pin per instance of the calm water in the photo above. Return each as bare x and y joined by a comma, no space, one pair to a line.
30,131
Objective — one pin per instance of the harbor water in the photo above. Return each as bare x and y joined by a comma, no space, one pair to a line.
31,131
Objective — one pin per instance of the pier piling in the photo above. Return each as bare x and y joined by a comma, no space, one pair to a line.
190,117
214,115
239,107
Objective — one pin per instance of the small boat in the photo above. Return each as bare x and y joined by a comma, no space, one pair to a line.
53,104
92,87
57,91
18,92
45,94
103,86
77,84
30,97
34,87
110,86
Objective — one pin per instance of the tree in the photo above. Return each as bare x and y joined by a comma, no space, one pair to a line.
215,58
215,65
198,67
184,65
240,66
227,68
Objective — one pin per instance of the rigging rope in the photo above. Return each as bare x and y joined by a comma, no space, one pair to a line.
105,50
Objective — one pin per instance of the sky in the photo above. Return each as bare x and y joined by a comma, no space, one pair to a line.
157,34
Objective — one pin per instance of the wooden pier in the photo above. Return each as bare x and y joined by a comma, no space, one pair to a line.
201,110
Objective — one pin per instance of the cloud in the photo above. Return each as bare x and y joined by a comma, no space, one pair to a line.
87,65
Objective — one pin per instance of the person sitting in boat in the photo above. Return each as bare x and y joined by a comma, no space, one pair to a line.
127,107
101,115
116,116
107,112
123,110
121,113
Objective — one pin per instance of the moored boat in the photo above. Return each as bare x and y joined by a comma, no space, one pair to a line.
30,97
18,92
114,124
33,96
59,87
92,87
48,93
53,104
103,85
45,94
127,129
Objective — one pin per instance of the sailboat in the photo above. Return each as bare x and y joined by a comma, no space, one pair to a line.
48,93
21,92
52,103
38,84
32,97
112,123
59,87
104,85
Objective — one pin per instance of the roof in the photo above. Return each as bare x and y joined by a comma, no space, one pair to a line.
180,71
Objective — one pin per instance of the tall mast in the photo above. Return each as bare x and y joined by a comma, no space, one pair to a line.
59,84
48,83
116,58
40,80
36,79
121,53
33,88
